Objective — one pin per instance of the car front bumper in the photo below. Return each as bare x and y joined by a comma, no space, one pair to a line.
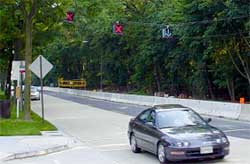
180,154
34,97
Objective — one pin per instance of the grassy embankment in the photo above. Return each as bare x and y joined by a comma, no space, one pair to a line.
14,126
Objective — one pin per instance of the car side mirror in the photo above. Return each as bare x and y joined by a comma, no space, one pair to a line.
208,120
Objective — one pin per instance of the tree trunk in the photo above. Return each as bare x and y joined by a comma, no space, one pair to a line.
244,62
231,90
248,82
2,84
28,16
157,78
209,83
3,81
28,59
8,88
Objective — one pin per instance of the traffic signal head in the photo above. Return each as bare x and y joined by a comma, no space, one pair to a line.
166,32
69,16
118,29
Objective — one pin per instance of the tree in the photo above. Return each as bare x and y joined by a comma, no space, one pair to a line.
191,62
10,34
39,23
28,10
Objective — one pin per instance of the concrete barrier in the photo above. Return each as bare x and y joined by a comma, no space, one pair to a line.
245,112
213,108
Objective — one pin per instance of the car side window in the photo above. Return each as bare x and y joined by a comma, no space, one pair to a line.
144,116
148,117
151,117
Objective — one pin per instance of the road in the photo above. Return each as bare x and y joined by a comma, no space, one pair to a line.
232,128
101,127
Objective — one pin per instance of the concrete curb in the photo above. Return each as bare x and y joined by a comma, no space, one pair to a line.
35,153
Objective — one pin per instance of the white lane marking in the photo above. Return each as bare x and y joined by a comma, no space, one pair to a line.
123,107
79,148
56,161
235,130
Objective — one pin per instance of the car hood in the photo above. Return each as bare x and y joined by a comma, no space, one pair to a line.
200,132
34,93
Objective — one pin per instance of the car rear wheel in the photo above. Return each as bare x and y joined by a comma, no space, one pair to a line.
161,154
133,144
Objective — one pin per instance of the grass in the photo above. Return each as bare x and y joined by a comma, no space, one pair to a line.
2,95
17,127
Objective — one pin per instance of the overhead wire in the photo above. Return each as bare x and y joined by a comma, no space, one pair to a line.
208,21
218,35
197,23
187,23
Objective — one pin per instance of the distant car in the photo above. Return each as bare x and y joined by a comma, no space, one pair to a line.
176,133
34,93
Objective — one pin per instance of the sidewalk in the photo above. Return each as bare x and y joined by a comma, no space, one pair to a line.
17,147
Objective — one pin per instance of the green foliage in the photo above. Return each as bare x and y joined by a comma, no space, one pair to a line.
208,55
2,95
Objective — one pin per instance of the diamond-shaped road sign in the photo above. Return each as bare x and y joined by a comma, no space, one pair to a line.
43,63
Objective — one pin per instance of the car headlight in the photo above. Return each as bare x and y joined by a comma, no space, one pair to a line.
182,144
224,140
36,93
218,140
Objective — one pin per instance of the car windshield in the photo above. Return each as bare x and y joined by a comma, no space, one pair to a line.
180,118
33,89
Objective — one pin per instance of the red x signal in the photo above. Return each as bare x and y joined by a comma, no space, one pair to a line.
118,29
70,16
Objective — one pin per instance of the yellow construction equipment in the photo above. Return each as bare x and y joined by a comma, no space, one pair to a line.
78,83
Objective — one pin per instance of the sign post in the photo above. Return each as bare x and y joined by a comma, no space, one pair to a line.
41,83
18,94
21,76
41,67
17,72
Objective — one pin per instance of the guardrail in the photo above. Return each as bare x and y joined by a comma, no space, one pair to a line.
213,108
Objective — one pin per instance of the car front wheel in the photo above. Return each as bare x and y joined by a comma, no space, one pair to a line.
161,154
133,144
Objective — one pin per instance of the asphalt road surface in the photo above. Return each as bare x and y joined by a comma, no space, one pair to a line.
232,128
103,133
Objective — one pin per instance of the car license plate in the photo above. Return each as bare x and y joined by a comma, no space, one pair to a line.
206,150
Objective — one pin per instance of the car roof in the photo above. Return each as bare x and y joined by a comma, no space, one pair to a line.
169,106
165,107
